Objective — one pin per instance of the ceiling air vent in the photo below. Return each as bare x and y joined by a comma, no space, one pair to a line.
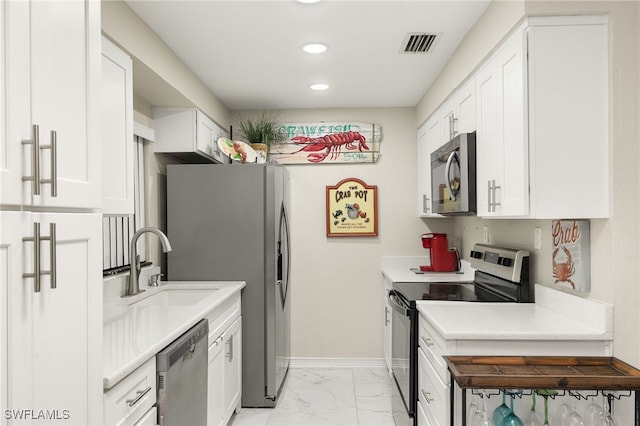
418,42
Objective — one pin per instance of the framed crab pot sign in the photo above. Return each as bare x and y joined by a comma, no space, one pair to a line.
571,256
352,209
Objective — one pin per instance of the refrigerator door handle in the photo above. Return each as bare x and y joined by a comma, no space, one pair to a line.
283,281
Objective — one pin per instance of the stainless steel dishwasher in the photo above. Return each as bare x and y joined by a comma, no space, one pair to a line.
182,379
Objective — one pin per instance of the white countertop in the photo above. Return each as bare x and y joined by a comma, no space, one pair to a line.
398,269
134,334
556,315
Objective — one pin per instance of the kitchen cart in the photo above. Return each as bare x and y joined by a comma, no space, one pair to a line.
562,373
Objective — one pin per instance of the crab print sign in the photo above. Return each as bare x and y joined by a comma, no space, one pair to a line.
570,258
327,143
352,209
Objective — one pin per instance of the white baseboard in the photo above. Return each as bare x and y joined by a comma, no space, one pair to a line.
304,362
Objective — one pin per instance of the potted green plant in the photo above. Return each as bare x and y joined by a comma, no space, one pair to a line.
261,131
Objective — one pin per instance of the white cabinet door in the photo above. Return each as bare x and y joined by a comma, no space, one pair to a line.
117,130
502,166
424,172
65,84
15,121
569,116
387,332
55,338
13,257
487,147
465,106
215,380
512,198
52,64
205,133
233,367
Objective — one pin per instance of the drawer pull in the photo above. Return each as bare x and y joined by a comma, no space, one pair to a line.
427,342
427,396
141,394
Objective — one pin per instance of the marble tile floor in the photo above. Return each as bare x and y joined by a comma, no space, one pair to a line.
327,396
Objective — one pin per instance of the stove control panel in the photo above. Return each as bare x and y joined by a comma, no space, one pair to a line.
506,263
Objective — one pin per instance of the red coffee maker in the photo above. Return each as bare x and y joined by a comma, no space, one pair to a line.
443,259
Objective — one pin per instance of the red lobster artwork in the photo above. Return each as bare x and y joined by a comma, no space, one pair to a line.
331,143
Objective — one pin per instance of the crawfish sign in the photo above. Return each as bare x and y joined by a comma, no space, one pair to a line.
352,209
325,143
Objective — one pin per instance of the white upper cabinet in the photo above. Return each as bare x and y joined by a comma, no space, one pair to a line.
429,133
542,121
457,114
54,77
569,117
502,167
117,130
187,134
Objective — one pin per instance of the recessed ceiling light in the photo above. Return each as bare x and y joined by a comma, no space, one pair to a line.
314,48
319,86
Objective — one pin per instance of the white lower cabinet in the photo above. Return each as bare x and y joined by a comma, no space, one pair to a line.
132,400
51,279
224,389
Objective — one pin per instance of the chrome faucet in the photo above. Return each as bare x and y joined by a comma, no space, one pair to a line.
133,285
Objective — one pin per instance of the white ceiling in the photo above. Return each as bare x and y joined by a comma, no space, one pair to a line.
249,52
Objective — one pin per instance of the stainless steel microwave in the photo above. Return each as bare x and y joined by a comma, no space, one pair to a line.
453,176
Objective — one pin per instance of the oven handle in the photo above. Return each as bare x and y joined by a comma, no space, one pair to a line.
398,304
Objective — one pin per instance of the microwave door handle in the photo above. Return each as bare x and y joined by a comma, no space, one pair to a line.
447,170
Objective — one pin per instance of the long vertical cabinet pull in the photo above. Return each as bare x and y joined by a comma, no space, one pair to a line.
36,257
37,271
54,163
35,160
491,195
495,203
52,255
230,354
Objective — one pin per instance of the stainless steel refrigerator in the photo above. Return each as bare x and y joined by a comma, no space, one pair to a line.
230,222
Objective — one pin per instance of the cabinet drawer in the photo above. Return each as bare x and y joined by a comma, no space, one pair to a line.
128,401
222,317
433,393
434,348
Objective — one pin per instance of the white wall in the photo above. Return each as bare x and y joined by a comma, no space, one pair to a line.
615,242
337,288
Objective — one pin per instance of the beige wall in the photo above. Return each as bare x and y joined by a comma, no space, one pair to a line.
615,243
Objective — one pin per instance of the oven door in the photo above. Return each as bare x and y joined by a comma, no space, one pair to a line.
403,358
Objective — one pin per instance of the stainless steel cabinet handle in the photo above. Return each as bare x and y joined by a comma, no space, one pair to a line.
36,257
427,342
495,203
35,160
140,395
230,353
426,204
54,163
386,316
52,255
489,195
427,396
37,271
